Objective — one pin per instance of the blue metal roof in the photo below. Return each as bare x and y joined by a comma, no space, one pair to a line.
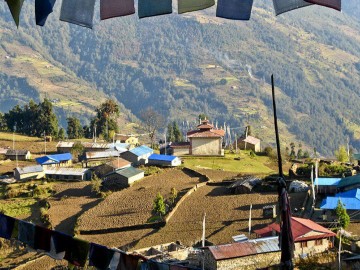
53,159
327,181
349,181
162,157
142,150
349,203
353,193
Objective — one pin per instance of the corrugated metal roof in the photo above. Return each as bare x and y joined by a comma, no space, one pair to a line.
162,157
349,181
327,181
330,203
252,140
53,159
30,169
142,150
11,152
356,156
129,172
102,154
65,171
206,134
300,227
65,144
119,163
242,249
353,193
96,145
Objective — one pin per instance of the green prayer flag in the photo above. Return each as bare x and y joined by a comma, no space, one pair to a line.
193,5
15,9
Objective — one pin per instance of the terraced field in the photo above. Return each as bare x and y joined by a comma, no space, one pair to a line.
133,205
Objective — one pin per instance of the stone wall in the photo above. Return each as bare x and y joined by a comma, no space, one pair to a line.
244,263
205,147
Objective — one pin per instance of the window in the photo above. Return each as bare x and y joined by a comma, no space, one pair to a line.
318,242
303,244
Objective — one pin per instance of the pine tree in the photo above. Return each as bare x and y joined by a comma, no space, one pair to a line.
342,215
177,133
74,129
341,154
159,205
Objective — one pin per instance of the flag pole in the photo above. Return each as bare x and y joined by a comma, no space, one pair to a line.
286,240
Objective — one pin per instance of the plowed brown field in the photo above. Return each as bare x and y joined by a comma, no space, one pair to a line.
133,206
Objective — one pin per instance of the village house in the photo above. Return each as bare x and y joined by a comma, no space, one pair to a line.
244,185
138,155
164,160
64,147
123,178
57,160
250,142
205,140
248,255
68,174
29,172
128,139
350,199
309,237
3,150
326,185
97,157
348,183
179,148
18,154
93,146
111,166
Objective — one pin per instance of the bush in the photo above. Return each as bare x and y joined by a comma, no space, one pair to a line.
332,170
12,193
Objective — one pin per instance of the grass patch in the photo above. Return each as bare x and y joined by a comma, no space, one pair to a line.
7,136
183,83
17,207
246,164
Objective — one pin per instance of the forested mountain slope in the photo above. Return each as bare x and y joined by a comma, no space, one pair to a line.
183,65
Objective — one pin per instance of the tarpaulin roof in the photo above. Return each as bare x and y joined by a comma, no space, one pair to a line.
162,157
142,150
53,159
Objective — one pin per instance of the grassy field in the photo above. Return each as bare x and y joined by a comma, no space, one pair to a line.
246,164
9,136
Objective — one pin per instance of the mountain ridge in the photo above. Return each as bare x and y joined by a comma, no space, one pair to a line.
186,65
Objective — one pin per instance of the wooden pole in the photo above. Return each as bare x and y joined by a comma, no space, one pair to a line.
281,174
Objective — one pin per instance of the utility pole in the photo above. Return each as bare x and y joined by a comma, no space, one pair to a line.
246,132
250,221
203,234
45,141
312,184
340,249
235,144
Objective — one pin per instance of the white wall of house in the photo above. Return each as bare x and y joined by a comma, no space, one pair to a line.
135,178
205,146
311,247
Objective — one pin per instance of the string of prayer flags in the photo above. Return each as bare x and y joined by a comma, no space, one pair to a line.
335,4
27,233
42,10
80,12
15,9
234,9
116,8
77,252
100,256
282,6
6,226
150,8
194,5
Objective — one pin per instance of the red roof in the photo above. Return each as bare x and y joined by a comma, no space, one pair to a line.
205,125
216,133
300,227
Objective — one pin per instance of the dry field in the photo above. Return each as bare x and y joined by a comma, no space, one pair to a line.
133,205
70,201
36,147
217,175
7,166
226,215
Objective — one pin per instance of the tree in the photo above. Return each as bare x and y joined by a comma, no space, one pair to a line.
159,205
3,126
173,195
177,133
105,118
153,121
342,215
249,132
203,116
306,154
77,149
61,134
292,152
341,154
47,121
74,129
299,153
170,133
